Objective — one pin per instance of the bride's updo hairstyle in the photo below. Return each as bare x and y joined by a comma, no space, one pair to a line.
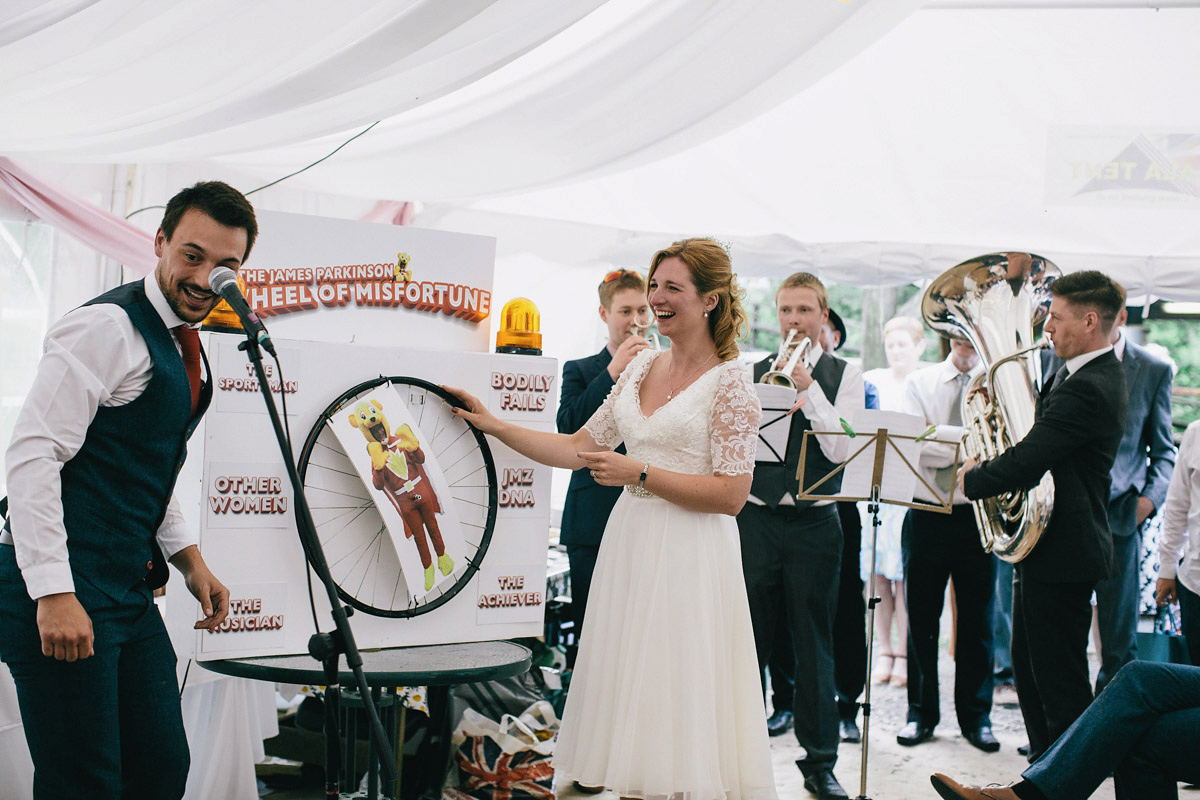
712,273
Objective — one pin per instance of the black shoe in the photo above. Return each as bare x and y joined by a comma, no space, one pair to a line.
914,733
825,786
849,731
982,738
582,789
778,723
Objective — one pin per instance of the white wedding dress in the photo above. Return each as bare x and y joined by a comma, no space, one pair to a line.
665,701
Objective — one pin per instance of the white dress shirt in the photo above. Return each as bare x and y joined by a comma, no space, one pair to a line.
827,416
1181,516
1073,364
929,393
92,357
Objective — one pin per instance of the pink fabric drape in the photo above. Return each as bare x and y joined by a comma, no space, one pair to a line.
391,212
113,236
95,227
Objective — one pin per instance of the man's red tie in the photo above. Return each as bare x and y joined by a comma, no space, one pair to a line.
189,342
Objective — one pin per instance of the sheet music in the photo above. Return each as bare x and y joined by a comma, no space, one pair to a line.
899,479
773,431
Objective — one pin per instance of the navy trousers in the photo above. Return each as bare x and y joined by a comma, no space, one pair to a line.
849,631
1189,612
791,559
1051,623
582,558
1117,598
936,548
104,727
1144,724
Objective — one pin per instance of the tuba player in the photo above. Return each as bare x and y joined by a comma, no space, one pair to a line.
1079,420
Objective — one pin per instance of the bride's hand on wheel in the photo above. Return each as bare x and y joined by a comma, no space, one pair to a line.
473,410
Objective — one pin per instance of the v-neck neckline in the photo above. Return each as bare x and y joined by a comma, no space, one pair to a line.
680,393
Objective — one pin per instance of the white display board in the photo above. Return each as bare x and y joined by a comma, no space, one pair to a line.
346,303
248,532
335,280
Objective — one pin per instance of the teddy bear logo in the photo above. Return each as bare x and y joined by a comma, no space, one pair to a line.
403,273
397,470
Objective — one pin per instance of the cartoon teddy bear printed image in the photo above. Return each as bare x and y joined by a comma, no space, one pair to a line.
397,471
402,272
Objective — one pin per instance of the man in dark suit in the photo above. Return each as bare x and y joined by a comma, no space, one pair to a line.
91,474
792,546
1079,420
585,384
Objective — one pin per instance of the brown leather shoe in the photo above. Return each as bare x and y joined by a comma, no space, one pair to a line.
951,789
585,789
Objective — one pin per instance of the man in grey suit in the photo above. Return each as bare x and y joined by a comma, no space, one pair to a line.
1140,476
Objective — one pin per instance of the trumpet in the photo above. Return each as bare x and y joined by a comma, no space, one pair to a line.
789,356
641,327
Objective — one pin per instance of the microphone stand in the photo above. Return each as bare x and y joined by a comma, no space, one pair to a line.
325,647
881,439
873,508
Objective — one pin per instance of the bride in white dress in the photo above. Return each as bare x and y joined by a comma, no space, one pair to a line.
665,700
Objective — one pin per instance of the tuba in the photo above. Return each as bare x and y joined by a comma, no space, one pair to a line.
994,302
790,354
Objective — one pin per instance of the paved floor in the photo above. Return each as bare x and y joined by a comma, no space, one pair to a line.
893,772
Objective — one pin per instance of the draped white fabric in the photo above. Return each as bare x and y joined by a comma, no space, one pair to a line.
476,96
870,143
934,145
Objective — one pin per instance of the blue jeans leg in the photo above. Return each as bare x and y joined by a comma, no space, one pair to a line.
1144,697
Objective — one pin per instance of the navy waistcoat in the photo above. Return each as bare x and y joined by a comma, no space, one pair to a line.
772,481
116,489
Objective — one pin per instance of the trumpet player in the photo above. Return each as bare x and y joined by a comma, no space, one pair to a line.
792,548
1078,423
585,384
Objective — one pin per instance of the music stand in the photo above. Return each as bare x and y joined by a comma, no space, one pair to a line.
882,450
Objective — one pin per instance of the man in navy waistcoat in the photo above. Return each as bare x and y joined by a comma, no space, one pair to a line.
92,467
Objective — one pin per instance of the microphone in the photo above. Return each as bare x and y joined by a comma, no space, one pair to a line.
223,281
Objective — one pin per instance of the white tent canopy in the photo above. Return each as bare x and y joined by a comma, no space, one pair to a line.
874,141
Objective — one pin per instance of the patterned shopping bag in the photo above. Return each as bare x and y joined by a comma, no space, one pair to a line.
505,760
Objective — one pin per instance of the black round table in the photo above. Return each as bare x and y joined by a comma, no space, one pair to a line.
437,665
426,665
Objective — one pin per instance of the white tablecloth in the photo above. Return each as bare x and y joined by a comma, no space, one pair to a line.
15,766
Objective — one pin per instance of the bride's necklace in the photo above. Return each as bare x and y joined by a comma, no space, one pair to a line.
677,387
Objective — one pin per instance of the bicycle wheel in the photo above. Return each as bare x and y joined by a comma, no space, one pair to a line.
356,542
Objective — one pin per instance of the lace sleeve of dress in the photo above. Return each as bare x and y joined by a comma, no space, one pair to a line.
602,425
735,418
